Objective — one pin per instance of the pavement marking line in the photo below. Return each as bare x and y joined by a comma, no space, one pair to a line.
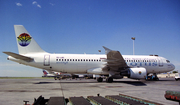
61,88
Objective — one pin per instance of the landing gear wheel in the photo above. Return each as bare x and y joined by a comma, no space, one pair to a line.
99,79
109,80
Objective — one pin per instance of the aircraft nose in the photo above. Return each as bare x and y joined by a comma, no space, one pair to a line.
172,67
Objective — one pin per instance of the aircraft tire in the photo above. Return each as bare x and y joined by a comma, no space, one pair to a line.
109,80
99,79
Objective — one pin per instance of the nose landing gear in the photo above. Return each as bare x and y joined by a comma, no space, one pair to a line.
152,77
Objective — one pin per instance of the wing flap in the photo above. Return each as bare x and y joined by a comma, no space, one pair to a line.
18,56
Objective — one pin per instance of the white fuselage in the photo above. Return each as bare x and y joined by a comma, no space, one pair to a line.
80,63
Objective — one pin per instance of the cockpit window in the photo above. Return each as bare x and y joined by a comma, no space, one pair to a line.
167,61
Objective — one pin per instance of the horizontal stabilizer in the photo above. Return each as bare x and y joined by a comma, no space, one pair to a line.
21,57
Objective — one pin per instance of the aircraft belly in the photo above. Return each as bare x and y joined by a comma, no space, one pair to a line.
81,68
70,68
74,68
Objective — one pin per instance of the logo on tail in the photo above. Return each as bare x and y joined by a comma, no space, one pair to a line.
24,39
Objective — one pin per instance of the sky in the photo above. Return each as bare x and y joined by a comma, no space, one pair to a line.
84,26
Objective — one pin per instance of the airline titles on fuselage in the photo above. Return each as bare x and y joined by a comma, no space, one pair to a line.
135,62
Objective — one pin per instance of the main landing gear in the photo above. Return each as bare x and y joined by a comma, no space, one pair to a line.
99,79
108,79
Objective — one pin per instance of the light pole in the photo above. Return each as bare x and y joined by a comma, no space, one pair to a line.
133,38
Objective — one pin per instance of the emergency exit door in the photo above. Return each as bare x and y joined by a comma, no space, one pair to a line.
46,60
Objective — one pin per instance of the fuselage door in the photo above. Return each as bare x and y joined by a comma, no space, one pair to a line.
46,60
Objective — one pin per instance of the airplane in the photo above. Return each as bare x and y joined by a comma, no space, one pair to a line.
112,64
90,76
46,74
59,75
56,75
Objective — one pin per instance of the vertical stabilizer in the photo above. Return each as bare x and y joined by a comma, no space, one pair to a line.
45,73
25,42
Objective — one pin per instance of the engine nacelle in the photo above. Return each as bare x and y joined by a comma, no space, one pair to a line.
98,71
135,73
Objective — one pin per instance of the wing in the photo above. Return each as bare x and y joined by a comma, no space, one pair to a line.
21,57
114,60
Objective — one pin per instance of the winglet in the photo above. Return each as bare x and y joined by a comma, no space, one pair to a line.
107,50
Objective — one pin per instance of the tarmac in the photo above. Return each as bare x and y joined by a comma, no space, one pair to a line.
15,91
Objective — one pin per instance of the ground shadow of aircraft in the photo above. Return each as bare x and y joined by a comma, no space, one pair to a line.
135,83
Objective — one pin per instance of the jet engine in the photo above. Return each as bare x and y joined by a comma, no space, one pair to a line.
134,73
